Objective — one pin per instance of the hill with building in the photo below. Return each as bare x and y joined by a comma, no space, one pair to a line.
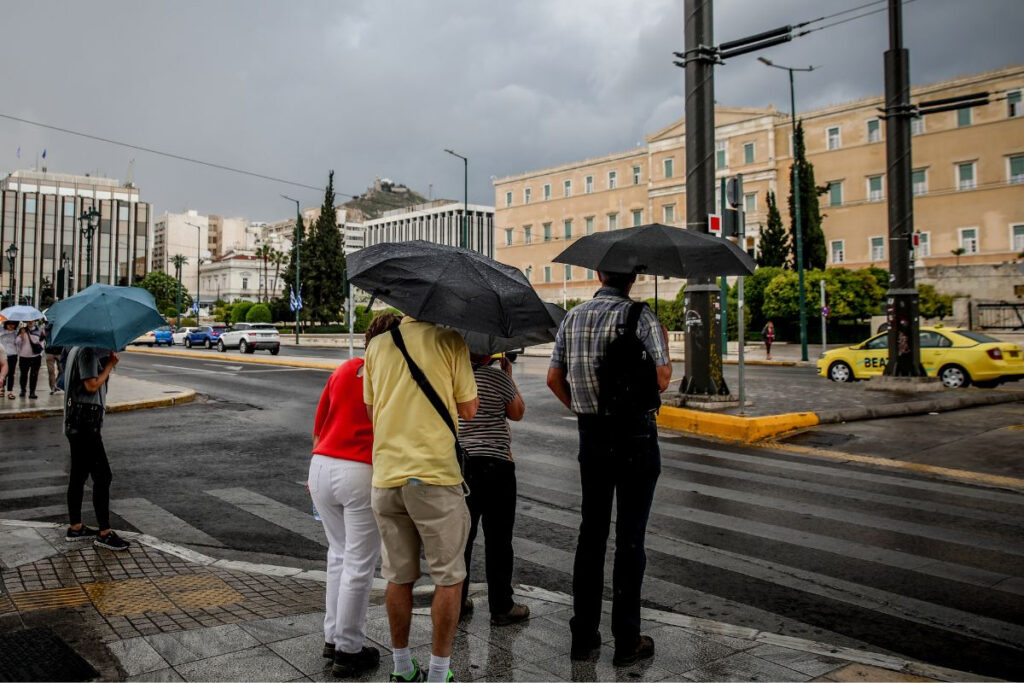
385,195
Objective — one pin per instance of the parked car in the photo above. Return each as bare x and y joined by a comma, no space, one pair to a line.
957,357
204,335
250,337
178,336
161,335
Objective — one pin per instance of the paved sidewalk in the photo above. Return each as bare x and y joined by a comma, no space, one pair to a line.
123,393
164,613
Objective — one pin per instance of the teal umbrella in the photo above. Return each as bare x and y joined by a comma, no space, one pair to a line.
103,316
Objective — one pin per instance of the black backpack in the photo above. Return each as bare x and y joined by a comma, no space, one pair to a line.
627,379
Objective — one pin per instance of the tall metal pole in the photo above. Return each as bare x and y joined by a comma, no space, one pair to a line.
824,321
199,262
703,357
464,237
298,264
901,299
797,219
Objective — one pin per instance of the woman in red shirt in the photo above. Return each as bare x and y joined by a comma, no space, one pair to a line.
340,473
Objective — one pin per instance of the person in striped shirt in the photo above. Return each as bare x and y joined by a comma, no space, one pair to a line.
491,477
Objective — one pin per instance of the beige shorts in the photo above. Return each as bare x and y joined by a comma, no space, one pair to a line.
415,515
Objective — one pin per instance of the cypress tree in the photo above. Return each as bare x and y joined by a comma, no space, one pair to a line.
326,278
773,250
813,237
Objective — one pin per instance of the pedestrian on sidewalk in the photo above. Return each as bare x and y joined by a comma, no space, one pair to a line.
491,476
9,348
53,354
618,453
418,489
768,334
3,371
30,358
340,475
85,400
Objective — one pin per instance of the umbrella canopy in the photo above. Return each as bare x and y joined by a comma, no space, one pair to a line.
488,344
22,313
658,249
104,316
450,286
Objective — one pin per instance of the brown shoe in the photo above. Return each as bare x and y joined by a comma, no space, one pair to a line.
513,616
642,649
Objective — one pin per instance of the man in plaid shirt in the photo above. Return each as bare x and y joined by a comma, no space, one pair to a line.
618,456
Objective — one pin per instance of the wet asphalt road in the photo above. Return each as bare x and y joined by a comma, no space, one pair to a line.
840,553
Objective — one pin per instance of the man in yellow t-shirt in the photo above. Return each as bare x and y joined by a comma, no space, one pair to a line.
418,497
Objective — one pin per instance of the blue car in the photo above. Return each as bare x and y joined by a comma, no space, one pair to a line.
161,335
204,335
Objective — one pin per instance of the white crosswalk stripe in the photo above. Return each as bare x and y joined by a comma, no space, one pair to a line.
270,510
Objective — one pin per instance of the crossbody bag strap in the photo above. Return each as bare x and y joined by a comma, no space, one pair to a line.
633,316
424,383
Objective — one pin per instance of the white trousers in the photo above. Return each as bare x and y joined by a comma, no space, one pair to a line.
341,492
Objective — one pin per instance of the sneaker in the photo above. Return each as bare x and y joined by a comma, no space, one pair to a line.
33,396
349,664
83,534
328,650
583,648
513,616
417,674
642,649
111,541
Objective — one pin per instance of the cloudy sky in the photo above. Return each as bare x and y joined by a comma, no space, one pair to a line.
378,88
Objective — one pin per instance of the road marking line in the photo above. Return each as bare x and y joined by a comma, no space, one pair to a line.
278,514
152,519
967,476
32,492
181,367
36,513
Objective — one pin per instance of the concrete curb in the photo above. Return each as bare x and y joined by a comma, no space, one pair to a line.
933,405
239,358
178,398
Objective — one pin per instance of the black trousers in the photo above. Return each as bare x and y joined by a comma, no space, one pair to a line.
492,502
620,459
29,368
12,365
89,459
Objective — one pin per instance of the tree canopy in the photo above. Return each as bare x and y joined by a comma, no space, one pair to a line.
812,236
164,289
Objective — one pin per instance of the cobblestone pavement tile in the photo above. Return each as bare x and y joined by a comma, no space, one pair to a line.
158,676
808,663
678,651
256,664
602,669
189,646
420,633
304,653
282,628
529,673
532,640
472,657
137,656
742,666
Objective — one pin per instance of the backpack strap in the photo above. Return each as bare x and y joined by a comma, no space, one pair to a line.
424,383
633,316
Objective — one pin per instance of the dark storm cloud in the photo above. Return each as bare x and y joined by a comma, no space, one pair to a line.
379,88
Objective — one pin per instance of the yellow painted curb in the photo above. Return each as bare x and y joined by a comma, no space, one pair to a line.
240,358
119,407
732,427
965,476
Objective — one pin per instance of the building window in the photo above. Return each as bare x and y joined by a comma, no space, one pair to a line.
919,182
613,221
245,283
874,130
1016,169
567,225
1013,104
568,273
508,198
526,195
924,244
838,251
508,237
547,273
529,273
69,208
750,202
721,154
833,139
963,117
638,217
547,232
590,271
547,191
790,136
877,248
590,225
835,193
875,192
917,125
567,188
636,175
668,167
748,153
30,204
612,179
669,213
965,176
1017,238
589,184
527,235
969,240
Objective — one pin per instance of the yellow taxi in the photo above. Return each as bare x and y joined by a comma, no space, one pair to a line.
957,357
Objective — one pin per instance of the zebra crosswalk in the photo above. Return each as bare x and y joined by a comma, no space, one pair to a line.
892,561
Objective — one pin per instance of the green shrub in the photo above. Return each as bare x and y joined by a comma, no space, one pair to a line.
240,310
260,313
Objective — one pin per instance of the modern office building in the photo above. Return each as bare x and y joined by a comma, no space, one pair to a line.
439,221
968,185
186,234
42,234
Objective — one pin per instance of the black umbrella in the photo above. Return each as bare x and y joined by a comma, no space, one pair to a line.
488,344
658,249
450,286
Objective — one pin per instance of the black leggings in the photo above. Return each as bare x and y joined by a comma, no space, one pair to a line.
89,458
12,365
29,368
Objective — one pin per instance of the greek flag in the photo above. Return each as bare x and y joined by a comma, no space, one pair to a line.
195,307
295,302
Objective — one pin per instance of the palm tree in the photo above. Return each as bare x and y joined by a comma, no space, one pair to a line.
179,261
263,253
279,259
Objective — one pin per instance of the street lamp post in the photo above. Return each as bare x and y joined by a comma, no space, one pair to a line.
796,206
89,220
464,239
298,264
199,261
12,254
178,260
